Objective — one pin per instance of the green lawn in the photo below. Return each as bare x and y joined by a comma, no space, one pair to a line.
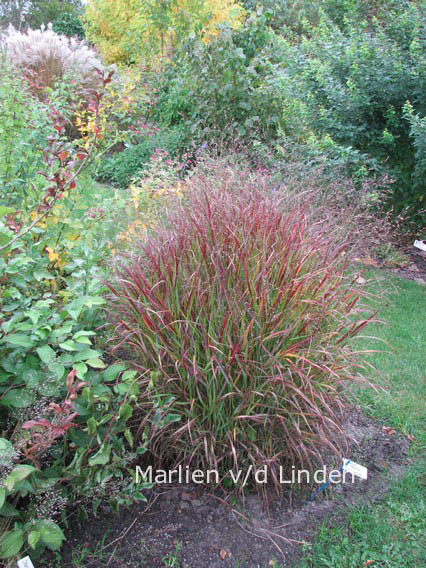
390,534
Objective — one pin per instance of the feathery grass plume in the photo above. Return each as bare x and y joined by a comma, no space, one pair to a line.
45,56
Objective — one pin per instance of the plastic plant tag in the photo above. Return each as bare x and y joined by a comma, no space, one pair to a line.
25,563
355,468
420,245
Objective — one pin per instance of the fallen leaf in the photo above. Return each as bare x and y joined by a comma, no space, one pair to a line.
367,260
223,554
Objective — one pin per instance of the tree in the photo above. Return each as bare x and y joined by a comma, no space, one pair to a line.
34,13
12,12
45,11
126,30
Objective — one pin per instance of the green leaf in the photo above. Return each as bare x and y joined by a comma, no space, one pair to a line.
68,346
101,457
11,543
81,369
82,333
96,363
46,354
91,425
129,375
5,236
8,511
129,437
17,398
63,330
58,369
169,418
87,354
18,474
126,412
74,313
33,538
5,445
90,301
19,339
112,372
139,496
5,210
84,340
121,388
50,534
32,378
2,496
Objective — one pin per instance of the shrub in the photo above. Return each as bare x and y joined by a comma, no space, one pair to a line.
24,131
121,168
65,418
296,16
69,25
75,450
44,56
226,88
418,136
355,83
237,315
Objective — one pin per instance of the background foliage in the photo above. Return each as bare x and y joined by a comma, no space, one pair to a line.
34,13
126,31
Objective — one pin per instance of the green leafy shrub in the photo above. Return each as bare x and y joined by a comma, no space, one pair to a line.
355,83
237,316
122,167
76,451
64,414
224,89
296,17
24,130
69,25
418,136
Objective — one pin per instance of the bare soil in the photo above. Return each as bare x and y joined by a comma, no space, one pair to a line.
416,270
211,534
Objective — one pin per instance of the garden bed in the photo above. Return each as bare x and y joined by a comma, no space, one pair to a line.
184,525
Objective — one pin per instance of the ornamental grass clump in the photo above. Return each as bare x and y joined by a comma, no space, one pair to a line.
238,315
46,57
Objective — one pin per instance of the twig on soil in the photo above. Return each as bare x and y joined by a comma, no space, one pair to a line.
131,525
267,532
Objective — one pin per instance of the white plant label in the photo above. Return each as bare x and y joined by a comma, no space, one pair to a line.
420,245
355,469
25,563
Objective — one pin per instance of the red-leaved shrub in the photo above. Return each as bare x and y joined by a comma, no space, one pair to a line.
238,315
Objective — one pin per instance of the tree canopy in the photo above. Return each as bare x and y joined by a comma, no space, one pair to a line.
34,13
125,30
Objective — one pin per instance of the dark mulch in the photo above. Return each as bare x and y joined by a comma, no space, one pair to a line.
416,270
211,535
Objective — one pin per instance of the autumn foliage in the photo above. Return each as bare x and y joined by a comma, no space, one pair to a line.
126,31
